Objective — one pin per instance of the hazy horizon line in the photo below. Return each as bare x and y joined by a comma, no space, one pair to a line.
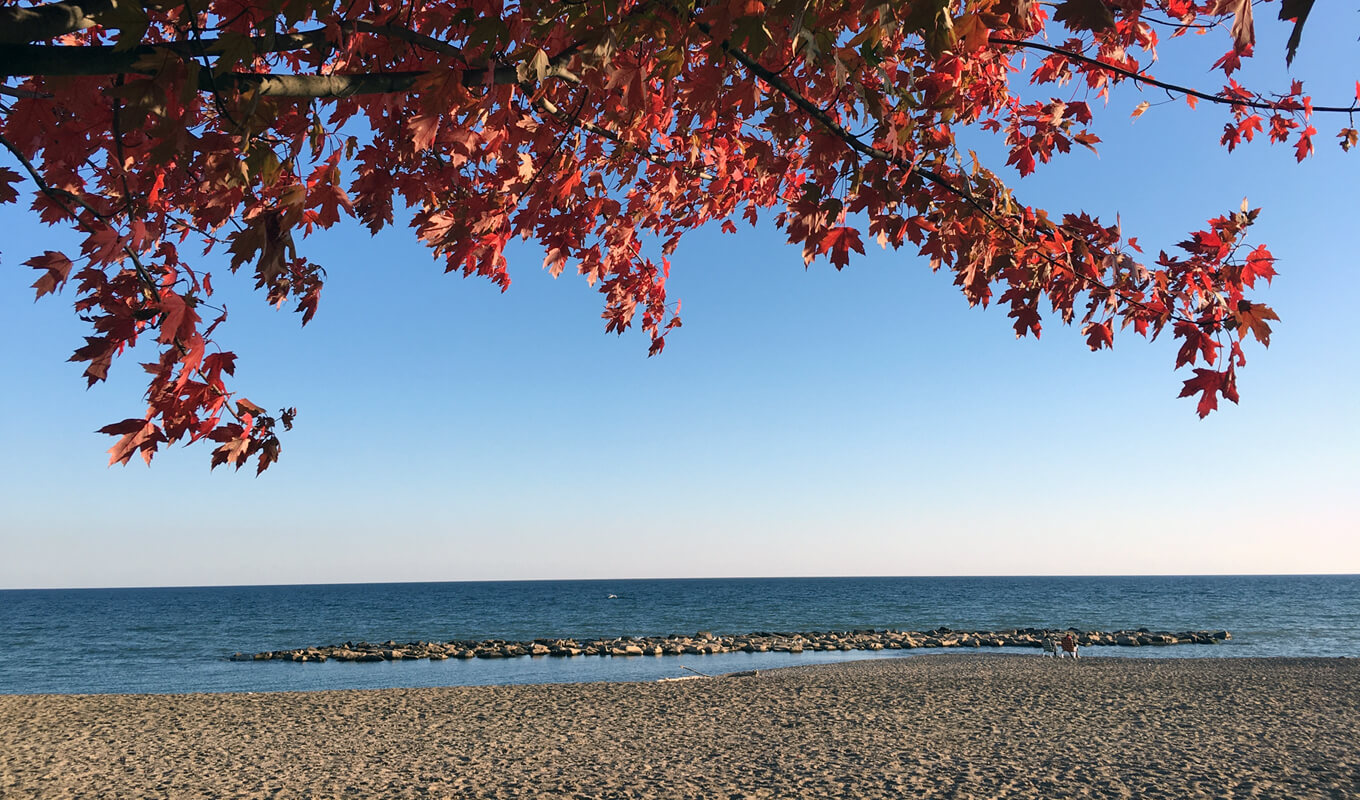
685,578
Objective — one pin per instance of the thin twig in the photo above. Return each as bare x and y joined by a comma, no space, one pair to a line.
1171,87
118,145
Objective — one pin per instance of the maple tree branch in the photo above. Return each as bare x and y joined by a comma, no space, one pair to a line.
271,43
1141,78
22,59
56,59
61,197
842,133
318,86
23,94
47,61
826,121
50,20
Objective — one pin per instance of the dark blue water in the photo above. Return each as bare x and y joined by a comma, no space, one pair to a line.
177,639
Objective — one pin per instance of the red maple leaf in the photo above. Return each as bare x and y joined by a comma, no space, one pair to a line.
1260,264
1252,317
178,319
1197,343
8,177
135,435
423,129
1098,335
839,242
56,267
1304,146
1208,384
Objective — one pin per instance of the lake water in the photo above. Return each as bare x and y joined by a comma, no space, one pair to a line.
178,639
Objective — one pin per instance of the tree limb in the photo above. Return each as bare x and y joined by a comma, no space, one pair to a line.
315,85
68,60
55,59
19,25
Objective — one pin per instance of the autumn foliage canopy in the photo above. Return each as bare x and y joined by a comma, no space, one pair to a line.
184,139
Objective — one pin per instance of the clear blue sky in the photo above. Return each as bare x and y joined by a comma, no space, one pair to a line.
801,423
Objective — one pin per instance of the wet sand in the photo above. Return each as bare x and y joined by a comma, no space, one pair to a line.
939,726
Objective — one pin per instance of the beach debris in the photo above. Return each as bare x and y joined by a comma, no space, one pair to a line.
707,643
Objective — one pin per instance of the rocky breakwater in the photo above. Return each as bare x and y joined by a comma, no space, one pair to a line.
706,643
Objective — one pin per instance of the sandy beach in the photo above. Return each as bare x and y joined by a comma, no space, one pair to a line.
939,726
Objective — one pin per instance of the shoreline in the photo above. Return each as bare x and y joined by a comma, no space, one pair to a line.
762,672
714,667
954,725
